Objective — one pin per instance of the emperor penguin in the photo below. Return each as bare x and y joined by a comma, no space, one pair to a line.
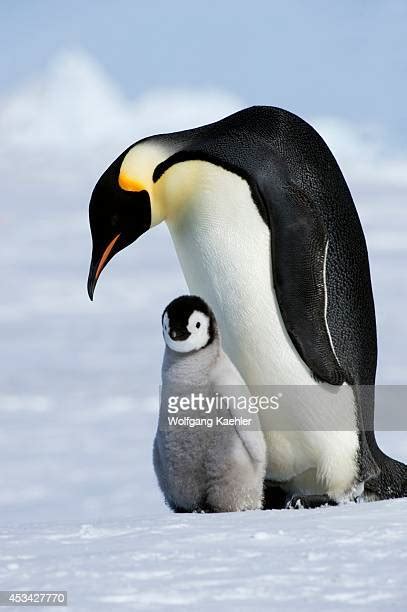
266,232
214,466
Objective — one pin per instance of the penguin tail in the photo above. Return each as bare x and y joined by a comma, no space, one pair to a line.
390,483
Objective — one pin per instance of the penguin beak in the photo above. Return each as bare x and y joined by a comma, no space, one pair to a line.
101,255
179,335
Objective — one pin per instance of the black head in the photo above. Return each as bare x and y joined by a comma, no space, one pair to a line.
117,216
188,324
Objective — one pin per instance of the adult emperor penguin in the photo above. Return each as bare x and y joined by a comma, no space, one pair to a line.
215,466
267,233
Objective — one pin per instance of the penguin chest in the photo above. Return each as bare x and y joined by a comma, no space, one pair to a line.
224,249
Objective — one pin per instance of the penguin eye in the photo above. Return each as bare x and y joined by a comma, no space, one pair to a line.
198,325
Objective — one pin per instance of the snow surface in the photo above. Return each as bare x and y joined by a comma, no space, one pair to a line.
327,559
79,506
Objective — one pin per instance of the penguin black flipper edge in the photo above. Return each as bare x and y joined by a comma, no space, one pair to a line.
299,253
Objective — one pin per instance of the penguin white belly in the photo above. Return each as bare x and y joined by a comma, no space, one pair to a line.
224,249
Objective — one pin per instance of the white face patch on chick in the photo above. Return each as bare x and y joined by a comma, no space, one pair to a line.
193,337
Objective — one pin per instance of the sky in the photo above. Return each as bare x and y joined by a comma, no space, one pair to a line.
333,58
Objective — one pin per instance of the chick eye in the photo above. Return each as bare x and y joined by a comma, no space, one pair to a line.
198,325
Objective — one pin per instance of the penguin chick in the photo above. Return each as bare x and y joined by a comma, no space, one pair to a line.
204,469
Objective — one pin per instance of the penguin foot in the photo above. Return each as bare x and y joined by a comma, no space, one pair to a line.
309,501
274,497
179,510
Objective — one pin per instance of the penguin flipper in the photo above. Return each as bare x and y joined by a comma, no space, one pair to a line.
299,244
298,502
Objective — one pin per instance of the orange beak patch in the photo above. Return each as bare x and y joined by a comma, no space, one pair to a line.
106,255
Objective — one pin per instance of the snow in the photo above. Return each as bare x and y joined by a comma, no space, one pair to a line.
328,558
79,506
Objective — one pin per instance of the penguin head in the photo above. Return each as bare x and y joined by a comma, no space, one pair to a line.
124,204
188,324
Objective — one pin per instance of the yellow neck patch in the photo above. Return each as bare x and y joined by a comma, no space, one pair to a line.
127,183
136,174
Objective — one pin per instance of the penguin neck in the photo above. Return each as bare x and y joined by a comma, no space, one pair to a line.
175,191
190,368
